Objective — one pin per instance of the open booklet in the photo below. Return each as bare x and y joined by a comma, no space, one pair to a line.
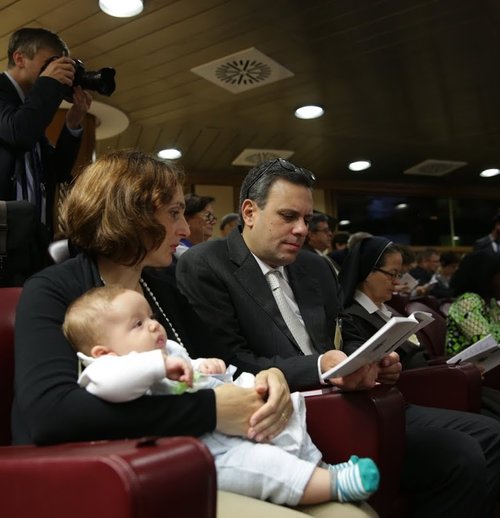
387,339
409,280
485,353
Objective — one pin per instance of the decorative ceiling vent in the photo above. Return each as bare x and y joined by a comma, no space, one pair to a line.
243,71
433,167
253,157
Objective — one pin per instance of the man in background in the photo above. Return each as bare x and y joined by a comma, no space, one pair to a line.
228,222
319,235
491,242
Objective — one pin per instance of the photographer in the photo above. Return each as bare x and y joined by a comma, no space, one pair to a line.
38,77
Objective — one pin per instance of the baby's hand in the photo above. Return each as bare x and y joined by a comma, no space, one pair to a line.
178,369
212,366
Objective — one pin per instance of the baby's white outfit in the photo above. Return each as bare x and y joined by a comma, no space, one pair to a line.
278,472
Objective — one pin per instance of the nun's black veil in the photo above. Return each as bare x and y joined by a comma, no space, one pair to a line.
359,262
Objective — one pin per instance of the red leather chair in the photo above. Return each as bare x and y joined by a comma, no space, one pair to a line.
108,479
161,470
367,424
398,303
456,387
433,335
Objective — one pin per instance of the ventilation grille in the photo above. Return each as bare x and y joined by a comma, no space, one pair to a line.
252,157
433,167
243,71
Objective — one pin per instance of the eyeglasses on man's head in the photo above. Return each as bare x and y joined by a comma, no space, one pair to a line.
393,275
284,164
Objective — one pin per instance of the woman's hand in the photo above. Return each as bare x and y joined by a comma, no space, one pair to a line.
234,408
270,420
362,379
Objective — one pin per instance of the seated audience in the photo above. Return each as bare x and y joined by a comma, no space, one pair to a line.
449,262
127,355
475,312
278,306
368,279
427,266
491,242
319,235
339,248
409,262
199,214
123,239
228,222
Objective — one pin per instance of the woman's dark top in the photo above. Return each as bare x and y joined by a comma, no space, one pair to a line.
50,407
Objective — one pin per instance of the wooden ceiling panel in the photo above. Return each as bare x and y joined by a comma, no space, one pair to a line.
401,81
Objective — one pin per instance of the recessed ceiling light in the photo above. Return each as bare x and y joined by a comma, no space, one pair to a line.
402,206
169,154
345,222
488,173
309,112
121,8
360,165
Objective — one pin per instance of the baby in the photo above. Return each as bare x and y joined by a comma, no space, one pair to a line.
127,355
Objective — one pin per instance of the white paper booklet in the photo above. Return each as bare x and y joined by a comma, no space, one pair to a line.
409,281
388,338
485,353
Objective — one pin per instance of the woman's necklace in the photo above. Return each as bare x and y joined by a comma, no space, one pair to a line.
146,287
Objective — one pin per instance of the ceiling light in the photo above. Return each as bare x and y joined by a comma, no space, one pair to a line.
360,165
169,154
309,112
402,206
488,173
121,8
345,222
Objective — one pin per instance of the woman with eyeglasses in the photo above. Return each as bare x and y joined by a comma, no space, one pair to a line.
369,276
201,219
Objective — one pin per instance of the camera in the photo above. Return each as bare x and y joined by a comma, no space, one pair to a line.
102,80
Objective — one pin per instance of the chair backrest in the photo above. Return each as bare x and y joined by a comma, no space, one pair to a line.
444,307
428,300
433,335
59,251
8,302
398,302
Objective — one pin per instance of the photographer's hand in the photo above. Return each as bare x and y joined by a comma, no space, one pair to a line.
81,104
61,69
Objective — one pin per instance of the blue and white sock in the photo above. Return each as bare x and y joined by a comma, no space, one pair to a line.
354,480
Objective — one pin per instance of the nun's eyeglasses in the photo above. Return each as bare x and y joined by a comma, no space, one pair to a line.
285,164
393,275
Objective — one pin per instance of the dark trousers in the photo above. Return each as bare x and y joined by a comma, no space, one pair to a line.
452,463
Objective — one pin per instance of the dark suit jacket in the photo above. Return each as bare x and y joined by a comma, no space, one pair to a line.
22,125
484,244
423,276
226,287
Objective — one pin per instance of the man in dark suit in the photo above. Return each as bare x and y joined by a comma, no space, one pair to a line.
30,96
246,319
226,282
319,235
491,242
